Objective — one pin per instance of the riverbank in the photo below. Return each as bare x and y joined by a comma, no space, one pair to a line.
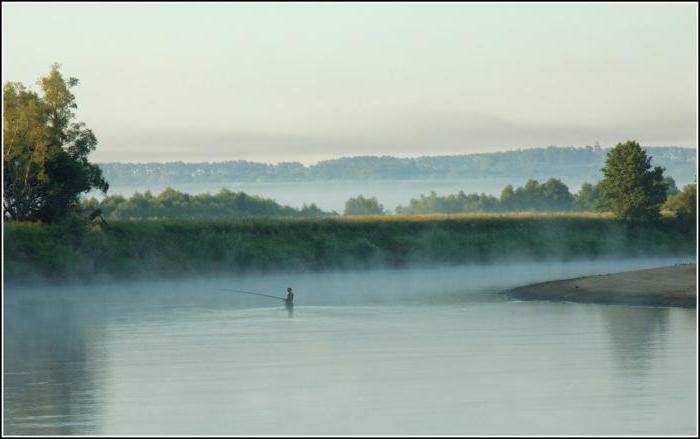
139,249
665,286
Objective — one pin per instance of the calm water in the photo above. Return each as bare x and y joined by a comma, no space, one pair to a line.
431,351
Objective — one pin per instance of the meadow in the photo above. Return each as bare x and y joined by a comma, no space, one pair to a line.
36,253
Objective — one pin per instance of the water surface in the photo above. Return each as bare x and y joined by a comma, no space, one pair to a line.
429,351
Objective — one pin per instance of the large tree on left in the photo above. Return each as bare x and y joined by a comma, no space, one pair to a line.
45,151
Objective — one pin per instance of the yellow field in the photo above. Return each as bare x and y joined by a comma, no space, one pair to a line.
475,216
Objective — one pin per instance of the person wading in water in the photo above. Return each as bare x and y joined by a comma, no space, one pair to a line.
289,301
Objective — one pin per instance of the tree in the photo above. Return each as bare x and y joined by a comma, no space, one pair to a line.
26,150
508,198
363,206
587,199
556,195
671,188
45,151
684,204
630,187
528,196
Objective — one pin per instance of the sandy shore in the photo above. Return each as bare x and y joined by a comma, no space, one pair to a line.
666,286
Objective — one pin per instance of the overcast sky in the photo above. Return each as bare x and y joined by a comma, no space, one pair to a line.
305,82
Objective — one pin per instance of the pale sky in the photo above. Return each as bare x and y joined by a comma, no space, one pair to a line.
306,82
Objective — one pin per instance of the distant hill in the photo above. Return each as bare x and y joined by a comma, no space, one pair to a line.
582,163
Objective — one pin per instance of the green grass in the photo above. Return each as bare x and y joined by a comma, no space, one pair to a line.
36,253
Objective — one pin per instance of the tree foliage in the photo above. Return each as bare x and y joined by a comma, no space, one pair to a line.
363,206
684,203
459,203
671,188
588,198
45,150
174,204
630,187
550,196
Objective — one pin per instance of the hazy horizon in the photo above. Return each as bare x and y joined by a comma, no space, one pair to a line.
308,82
308,163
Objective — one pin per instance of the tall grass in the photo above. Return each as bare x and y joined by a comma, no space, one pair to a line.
36,253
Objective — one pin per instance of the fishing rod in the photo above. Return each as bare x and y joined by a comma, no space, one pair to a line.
250,292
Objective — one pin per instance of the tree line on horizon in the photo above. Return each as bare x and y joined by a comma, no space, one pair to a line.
46,171
580,163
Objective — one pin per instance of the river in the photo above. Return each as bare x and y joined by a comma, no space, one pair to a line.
424,351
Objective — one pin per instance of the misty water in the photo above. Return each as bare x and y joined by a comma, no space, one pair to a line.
420,351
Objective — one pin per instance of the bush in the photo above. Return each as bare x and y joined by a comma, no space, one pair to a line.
363,206
684,204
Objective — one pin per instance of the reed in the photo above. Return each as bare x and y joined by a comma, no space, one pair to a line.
136,249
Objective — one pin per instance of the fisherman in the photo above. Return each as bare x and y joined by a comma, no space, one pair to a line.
289,301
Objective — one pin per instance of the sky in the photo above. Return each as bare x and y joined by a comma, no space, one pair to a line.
307,82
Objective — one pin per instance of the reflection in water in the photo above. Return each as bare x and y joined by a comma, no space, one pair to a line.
648,349
635,333
47,369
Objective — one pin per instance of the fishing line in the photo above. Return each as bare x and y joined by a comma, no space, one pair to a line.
250,292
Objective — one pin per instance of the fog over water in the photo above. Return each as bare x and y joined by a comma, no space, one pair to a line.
420,351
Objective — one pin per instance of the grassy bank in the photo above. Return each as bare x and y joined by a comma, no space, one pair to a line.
36,253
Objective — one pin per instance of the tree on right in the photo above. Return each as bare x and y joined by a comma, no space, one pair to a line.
631,187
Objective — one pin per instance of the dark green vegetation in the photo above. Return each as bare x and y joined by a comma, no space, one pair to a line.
550,196
630,187
363,206
533,196
671,188
36,253
173,204
45,151
684,204
566,163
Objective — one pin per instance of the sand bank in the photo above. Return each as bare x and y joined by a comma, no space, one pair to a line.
665,286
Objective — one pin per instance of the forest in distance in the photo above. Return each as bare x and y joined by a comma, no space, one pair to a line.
566,163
